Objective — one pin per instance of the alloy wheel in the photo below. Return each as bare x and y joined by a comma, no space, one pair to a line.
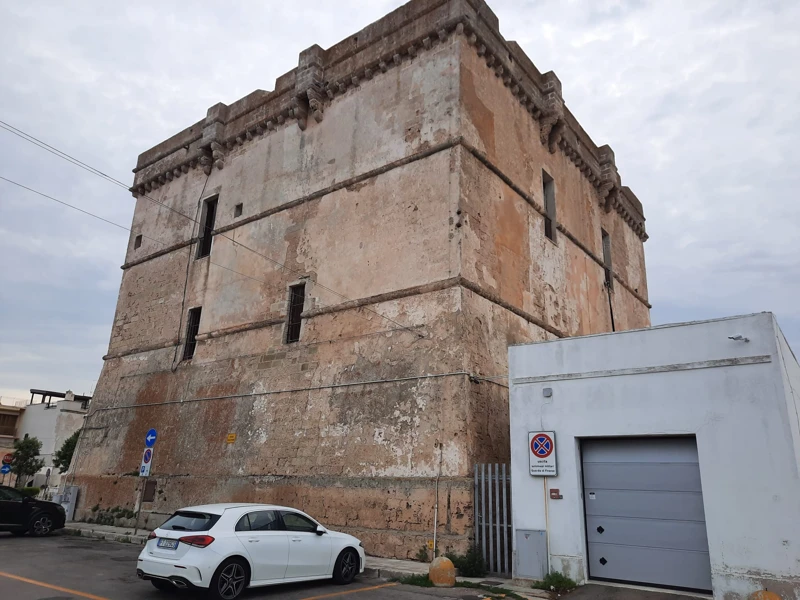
349,568
42,525
231,581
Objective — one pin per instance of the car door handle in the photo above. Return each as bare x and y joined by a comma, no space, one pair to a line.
297,539
253,540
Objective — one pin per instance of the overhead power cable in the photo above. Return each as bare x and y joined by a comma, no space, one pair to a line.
98,217
71,159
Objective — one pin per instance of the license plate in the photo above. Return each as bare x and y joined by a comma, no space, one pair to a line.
167,544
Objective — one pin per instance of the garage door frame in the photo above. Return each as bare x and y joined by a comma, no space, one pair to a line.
588,570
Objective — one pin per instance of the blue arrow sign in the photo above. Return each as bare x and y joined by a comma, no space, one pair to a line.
150,438
5,469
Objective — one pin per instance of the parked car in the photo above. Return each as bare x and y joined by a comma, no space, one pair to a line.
226,548
21,514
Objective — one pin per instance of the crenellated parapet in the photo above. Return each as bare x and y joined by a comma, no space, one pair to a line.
302,95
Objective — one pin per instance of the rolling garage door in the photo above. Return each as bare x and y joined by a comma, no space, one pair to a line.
644,512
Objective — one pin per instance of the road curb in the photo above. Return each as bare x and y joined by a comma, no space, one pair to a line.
125,538
379,573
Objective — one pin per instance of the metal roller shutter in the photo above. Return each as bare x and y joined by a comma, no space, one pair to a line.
644,512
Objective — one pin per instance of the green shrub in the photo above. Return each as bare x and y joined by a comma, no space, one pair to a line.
31,492
555,582
422,554
470,564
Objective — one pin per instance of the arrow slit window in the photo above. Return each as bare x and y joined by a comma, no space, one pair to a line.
549,194
207,226
192,328
297,298
609,273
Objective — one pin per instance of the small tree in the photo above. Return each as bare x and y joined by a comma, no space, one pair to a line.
25,462
63,456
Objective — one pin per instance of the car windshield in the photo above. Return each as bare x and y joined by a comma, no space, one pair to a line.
190,521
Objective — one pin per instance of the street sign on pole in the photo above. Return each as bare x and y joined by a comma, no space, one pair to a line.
5,469
542,453
150,438
7,459
147,462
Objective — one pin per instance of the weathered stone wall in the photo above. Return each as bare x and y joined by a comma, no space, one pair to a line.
398,174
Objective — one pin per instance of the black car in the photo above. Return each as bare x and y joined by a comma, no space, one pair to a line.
20,514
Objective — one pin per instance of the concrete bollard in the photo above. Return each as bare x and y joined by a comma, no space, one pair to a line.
763,595
442,573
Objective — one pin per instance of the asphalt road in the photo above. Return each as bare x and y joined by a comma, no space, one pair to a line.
63,567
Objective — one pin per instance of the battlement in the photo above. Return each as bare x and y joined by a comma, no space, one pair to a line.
301,96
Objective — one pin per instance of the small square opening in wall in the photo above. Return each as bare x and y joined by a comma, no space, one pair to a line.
237,210
137,242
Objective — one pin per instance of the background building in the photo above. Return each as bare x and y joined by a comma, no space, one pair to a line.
9,416
677,454
323,279
51,417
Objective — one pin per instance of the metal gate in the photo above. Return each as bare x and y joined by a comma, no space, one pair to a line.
492,501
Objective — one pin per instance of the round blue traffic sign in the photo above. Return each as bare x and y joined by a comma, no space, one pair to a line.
148,455
5,469
150,438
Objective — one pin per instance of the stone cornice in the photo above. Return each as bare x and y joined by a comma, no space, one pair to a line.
303,94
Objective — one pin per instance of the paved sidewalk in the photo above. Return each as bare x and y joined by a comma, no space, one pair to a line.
107,532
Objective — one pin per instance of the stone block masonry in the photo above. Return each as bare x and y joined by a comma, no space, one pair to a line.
398,176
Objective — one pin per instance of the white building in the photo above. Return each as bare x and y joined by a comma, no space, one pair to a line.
677,452
51,419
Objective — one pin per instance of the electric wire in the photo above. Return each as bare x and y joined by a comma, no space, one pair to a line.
63,155
86,212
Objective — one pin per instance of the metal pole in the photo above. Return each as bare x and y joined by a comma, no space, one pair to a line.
491,522
476,508
483,511
497,517
505,522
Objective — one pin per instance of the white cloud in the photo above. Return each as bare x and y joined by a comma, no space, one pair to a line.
699,100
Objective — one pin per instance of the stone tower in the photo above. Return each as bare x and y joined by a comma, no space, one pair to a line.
333,270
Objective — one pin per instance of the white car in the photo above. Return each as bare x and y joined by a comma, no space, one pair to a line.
229,547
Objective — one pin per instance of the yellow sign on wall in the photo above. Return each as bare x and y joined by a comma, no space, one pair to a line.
231,438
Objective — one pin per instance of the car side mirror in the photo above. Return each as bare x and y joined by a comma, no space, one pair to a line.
321,530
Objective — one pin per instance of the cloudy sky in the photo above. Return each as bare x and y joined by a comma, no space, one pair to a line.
699,99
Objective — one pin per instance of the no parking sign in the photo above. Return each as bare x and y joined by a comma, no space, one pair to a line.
542,453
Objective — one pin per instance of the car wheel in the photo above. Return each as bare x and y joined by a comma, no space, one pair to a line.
163,586
229,580
346,567
41,524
